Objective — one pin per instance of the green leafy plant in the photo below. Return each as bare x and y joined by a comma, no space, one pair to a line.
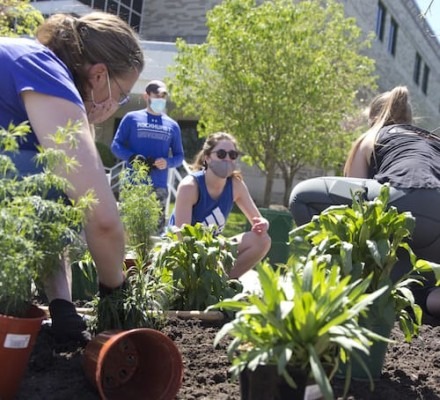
140,209
306,319
38,223
197,263
140,304
84,277
364,240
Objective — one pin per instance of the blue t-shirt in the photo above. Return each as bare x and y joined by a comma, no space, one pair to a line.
152,136
207,210
25,65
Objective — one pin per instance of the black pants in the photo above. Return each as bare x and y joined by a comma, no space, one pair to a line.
312,196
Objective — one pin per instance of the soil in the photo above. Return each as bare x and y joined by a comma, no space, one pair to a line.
411,370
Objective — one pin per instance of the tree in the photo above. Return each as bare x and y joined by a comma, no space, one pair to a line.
281,76
18,17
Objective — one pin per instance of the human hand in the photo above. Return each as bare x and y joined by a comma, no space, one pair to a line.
260,225
160,163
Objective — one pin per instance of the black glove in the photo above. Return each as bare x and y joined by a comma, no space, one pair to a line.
67,325
148,161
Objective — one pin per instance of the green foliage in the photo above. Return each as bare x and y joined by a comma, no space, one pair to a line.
107,157
196,263
307,319
18,17
140,304
38,223
282,76
364,240
140,209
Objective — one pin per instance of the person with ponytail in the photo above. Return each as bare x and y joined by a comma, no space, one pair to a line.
392,151
79,71
208,194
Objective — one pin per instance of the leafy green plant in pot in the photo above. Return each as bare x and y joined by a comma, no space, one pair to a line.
295,329
140,210
36,228
196,262
365,239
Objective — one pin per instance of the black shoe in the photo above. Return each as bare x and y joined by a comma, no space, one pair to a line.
67,325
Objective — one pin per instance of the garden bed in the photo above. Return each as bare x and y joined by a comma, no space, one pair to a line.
412,371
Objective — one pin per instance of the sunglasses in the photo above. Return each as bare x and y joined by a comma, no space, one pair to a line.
221,154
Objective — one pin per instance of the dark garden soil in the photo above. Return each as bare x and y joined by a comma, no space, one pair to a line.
411,371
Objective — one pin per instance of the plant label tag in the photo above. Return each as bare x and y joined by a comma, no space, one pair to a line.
312,392
13,341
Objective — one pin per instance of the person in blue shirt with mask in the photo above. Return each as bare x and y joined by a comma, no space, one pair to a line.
79,70
208,194
148,135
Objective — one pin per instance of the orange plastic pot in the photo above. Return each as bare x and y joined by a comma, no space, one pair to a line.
136,364
17,339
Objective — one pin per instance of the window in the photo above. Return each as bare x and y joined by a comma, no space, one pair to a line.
392,39
417,69
425,79
380,21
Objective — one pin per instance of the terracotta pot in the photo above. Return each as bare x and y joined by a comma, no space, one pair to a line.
17,338
136,364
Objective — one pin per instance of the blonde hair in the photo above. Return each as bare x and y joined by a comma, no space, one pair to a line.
388,108
94,38
211,141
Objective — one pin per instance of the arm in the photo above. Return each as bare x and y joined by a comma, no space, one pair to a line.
361,159
104,230
187,195
118,145
246,204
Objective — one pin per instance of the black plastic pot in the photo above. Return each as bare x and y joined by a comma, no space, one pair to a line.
265,384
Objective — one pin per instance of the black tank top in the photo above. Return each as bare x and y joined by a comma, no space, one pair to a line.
407,157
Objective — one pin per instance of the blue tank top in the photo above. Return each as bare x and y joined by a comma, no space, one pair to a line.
207,210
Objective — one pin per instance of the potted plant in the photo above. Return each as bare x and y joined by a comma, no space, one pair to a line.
365,239
196,262
293,333
34,233
140,212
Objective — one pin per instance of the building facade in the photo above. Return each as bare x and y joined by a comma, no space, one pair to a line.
405,51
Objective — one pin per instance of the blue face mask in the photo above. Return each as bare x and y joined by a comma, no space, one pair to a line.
158,105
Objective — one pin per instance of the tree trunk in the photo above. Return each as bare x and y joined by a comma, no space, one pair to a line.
268,188
288,183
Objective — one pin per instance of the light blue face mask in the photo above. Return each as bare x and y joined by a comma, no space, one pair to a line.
158,105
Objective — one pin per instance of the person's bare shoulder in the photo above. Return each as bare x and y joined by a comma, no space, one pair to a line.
188,189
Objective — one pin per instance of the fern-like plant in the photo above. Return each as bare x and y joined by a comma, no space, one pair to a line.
140,210
37,222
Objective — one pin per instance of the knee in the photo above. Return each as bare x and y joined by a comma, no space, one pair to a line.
298,200
263,242
260,243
